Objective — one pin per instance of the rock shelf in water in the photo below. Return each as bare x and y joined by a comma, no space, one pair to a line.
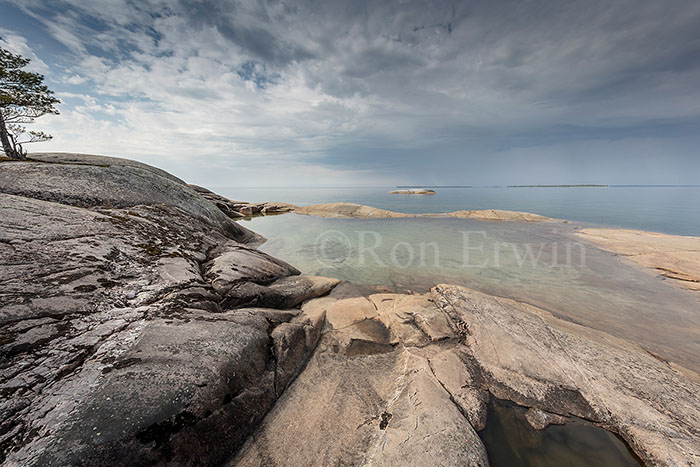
142,326
413,191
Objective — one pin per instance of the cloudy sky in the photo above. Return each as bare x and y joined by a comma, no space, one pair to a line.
355,92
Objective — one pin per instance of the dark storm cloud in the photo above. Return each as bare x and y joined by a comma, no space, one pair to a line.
377,84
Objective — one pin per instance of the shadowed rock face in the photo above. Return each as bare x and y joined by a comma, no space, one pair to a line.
117,346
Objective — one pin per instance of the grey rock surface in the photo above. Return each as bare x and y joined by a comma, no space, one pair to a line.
287,292
236,209
115,346
92,181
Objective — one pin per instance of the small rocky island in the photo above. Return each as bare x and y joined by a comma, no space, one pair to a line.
413,191
142,326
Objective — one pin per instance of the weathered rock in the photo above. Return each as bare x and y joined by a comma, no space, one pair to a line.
92,181
539,419
287,292
405,380
235,209
413,191
528,356
347,210
369,394
361,211
500,215
235,263
675,257
115,348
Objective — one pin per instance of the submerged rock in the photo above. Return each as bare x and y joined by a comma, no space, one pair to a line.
675,257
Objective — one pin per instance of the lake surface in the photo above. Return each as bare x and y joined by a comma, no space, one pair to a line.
674,210
544,264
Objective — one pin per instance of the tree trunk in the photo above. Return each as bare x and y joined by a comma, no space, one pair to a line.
7,147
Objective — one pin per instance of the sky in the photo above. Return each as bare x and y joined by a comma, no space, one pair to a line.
373,93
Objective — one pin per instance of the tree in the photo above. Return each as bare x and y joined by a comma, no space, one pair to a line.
23,98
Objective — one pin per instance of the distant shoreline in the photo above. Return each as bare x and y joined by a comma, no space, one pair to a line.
559,186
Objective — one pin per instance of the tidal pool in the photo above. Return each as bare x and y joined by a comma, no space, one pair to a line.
543,264
510,440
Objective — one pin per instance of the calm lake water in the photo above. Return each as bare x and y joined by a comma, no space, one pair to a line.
510,441
544,264
674,210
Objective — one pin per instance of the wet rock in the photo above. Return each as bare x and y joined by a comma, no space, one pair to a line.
539,419
675,257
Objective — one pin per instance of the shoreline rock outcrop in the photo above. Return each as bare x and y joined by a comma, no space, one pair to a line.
674,257
413,374
123,338
413,191
236,209
366,212
141,326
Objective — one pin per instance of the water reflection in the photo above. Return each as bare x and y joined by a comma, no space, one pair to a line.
510,440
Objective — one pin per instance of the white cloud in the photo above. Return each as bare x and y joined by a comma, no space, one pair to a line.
334,87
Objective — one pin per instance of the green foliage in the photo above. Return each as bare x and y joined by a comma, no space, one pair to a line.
23,98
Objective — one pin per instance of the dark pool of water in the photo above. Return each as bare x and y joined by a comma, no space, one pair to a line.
511,441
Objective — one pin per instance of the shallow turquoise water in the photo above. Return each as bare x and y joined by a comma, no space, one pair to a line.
544,264
674,210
